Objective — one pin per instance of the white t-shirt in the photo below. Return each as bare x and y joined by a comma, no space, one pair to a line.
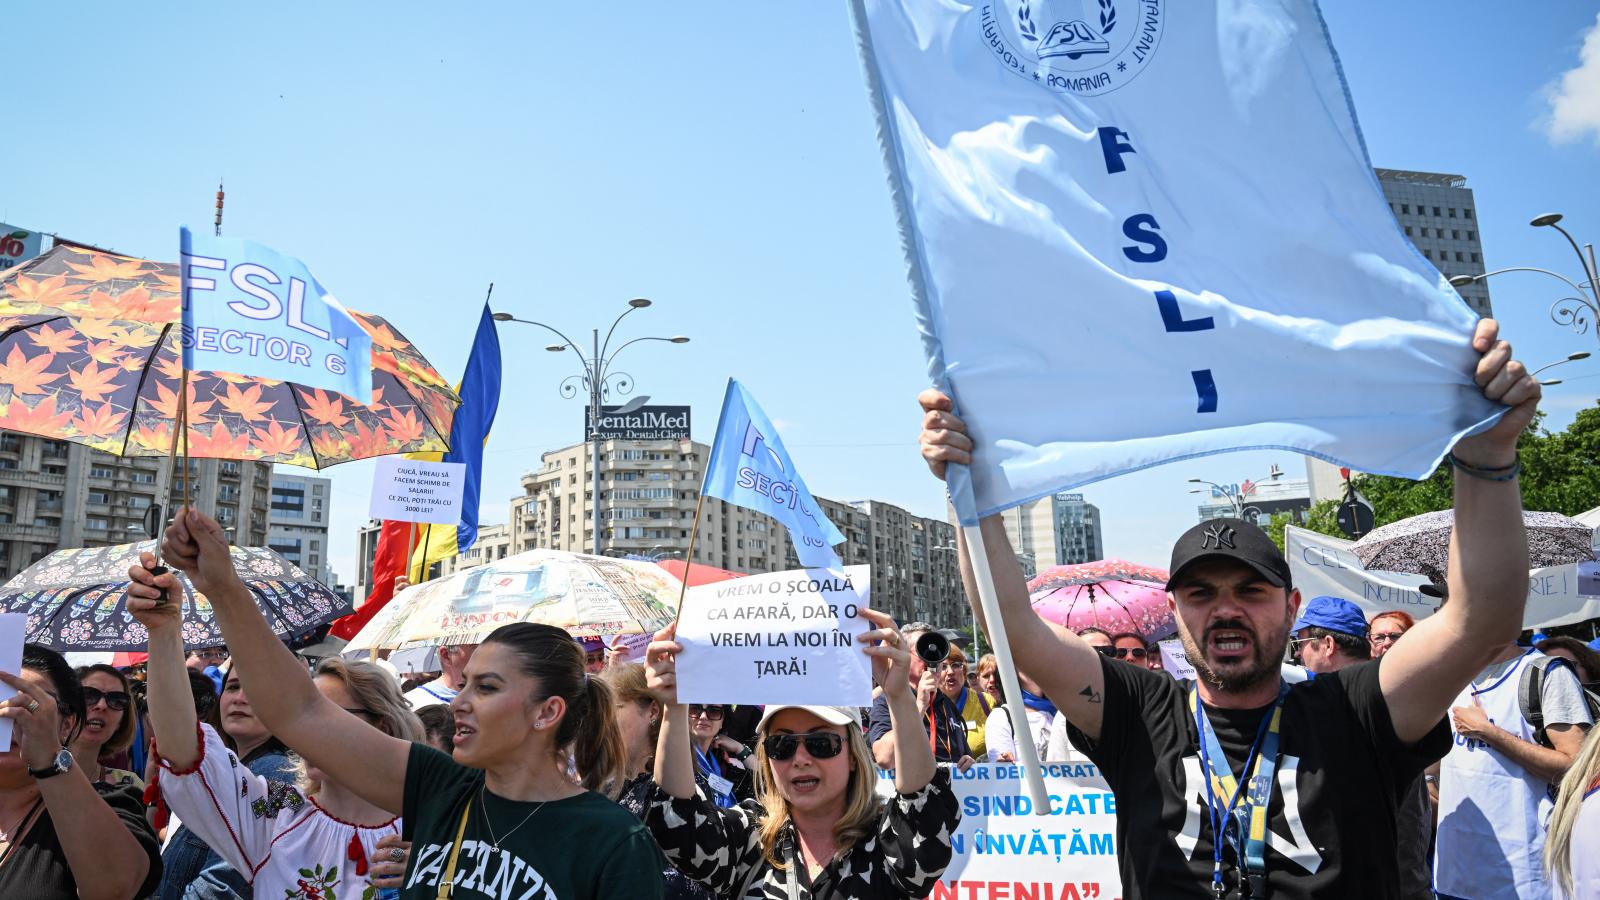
435,691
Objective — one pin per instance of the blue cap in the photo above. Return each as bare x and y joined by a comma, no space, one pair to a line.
1334,614
1595,645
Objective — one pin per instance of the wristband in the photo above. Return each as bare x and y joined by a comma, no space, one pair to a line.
1502,473
744,754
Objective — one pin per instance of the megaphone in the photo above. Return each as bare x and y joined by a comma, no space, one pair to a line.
932,647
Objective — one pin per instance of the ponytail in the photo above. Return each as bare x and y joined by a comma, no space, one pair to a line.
597,748
589,727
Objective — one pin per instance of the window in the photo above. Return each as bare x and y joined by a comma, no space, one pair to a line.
1466,213
99,497
11,443
143,478
8,464
93,524
137,501
1475,257
1405,208
1455,235
1426,253
1408,231
1452,212
1459,257
1472,235
102,472
1436,211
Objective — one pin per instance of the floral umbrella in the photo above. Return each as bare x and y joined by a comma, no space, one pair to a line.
89,353
589,596
1421,544
77,599
1098,595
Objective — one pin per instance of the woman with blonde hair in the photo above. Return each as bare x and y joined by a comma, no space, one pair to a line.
989,680
505,816
1572,841
268,831
816,828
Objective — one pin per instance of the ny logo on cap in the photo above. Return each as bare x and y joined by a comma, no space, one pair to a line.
1219,535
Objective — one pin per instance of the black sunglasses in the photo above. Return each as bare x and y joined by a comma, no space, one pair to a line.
117,700
1106,651
820,744
711,712
1135,652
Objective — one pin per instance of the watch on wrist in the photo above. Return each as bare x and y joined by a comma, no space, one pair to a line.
63,762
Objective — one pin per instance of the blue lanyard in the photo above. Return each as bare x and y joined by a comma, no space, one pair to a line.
709,765
1246,820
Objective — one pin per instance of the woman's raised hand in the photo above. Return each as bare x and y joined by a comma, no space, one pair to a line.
661,666
891,661
195,544
154,600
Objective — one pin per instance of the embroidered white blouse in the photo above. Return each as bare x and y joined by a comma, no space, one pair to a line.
271,833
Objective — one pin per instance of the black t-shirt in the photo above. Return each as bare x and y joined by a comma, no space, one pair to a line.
582,848
37,868
1341,775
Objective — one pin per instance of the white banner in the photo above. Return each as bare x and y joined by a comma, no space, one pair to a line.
1325,565
1176,660
783,637
1181,190
1005,849
408,490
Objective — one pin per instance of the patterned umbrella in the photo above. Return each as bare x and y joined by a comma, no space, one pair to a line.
589,596
77,599
1111,595
89,353
1421,544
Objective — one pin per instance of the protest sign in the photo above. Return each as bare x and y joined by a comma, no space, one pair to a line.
1065,168
783,637
13,627
1324,565
1176,660
629,647
250,310
1003,848
410,490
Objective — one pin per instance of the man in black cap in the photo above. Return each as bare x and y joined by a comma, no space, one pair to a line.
1301,781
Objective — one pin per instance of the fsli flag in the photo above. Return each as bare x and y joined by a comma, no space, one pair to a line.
250,310
1147,230
750,468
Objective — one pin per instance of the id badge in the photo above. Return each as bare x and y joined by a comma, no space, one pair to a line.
720,785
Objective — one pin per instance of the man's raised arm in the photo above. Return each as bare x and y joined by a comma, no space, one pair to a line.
1064,666
1488,579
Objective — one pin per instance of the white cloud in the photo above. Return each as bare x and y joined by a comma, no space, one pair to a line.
1575,97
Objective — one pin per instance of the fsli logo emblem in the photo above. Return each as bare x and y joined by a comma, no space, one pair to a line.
1079,47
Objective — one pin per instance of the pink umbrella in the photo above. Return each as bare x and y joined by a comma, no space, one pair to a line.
1111,595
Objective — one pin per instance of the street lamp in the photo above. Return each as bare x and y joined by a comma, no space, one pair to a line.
1234,497
1573,312
1571,357
599,381
972,616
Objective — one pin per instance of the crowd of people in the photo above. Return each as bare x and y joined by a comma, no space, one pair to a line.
1313,753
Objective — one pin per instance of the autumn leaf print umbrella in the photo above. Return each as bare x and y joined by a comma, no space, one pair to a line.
89,353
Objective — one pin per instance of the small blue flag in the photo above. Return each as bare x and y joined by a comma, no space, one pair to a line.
749,467
250,310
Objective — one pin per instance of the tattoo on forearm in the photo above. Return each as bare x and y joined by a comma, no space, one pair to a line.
1090,694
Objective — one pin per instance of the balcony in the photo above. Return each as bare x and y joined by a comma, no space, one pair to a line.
30,479
34,532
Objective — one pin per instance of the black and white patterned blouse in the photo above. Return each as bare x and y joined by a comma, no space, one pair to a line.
721,848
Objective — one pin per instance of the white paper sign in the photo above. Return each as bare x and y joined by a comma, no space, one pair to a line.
410,491
1176,660
1004,849
13,628
784,637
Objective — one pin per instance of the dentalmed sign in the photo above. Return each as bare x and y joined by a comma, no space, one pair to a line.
250,310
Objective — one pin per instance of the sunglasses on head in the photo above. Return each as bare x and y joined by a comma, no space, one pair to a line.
820,744
1135,652
117,700
711,712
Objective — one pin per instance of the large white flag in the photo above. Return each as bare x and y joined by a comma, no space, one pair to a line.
1146,230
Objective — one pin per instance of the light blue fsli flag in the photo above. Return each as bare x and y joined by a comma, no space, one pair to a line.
1141,231
750,468
250,310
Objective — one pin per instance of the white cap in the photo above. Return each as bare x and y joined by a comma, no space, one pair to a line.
833,715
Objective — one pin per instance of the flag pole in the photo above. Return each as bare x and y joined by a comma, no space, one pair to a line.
1027,753
688,558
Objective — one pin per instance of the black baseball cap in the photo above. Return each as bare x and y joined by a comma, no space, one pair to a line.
1233,539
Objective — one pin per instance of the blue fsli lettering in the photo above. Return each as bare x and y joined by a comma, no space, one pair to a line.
1144,229
1173,319
1206,387
1113,143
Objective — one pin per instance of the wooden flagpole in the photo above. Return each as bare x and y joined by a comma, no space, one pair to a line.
688,558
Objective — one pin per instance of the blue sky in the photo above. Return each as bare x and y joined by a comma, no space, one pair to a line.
717,158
